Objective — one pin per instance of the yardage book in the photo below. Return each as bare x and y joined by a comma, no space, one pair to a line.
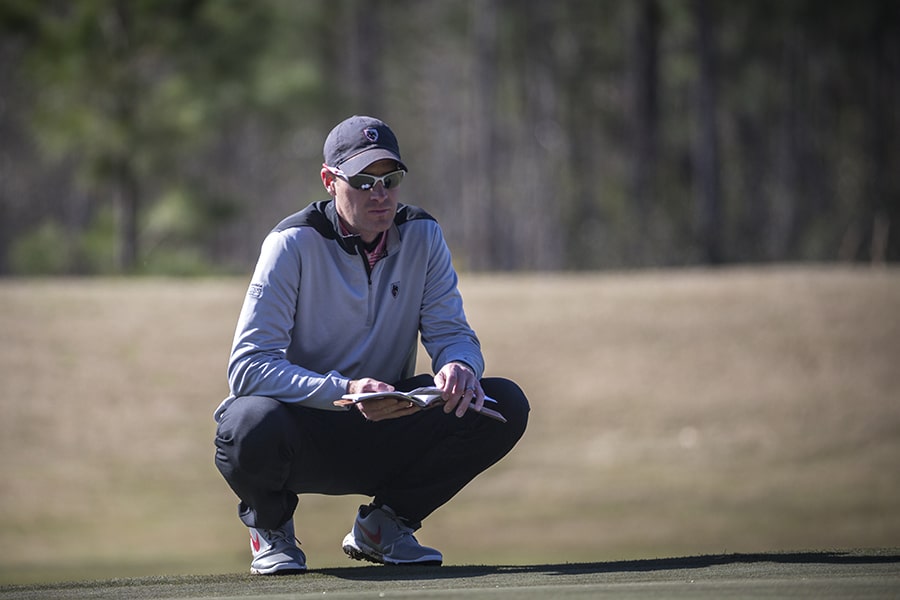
424,397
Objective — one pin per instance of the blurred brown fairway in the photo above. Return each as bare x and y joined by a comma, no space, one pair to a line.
674,413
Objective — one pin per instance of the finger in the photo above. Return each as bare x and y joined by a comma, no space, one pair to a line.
450,403
403,406
374,410
462,407
367,384
450,387
440,380
469,394
394,409
479,398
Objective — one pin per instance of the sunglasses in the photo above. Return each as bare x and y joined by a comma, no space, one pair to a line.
364,181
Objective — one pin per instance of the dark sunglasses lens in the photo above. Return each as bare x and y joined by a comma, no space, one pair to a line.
367,182
393,180
361,182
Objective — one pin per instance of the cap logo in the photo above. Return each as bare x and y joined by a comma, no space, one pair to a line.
371,134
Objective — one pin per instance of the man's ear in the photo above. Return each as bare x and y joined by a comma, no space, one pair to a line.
328,179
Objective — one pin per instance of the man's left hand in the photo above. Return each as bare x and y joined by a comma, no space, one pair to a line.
461,388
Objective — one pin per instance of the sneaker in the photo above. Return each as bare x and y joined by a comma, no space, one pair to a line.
380,536
275,551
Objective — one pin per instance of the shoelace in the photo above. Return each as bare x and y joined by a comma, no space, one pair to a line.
271,534
405,531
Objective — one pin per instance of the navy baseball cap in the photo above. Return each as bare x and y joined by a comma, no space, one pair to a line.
357,142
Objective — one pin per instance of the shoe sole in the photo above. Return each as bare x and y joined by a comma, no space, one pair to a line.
287,571
357,554
360,555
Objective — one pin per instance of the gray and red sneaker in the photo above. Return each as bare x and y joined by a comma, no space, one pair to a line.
379,536
275,551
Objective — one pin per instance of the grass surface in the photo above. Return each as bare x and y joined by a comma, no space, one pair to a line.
818,575
674,414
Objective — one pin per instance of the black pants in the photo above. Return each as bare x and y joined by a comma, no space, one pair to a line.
269,452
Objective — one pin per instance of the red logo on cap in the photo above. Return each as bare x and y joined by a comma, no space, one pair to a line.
371,134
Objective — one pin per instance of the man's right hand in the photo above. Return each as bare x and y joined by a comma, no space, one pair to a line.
379,409
366,385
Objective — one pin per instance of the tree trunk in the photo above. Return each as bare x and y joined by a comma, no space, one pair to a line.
362,79
479,205
644,79
127,196
123,177
882,109
707,187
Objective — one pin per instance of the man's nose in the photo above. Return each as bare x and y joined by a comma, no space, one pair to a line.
379,191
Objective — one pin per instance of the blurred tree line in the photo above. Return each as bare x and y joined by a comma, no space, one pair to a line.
168,136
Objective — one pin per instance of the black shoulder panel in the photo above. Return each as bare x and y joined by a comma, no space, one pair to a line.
312,216
321,217
406,213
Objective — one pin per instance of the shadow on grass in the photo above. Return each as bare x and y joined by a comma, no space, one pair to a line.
400,573
342,579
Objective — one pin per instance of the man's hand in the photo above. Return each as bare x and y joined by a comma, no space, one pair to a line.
461,388
379,409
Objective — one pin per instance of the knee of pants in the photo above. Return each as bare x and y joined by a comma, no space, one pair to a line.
512,403
253,429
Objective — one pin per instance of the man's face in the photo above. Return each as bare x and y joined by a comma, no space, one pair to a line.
364,212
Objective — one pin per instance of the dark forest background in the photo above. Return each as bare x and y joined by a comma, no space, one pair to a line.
168,136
